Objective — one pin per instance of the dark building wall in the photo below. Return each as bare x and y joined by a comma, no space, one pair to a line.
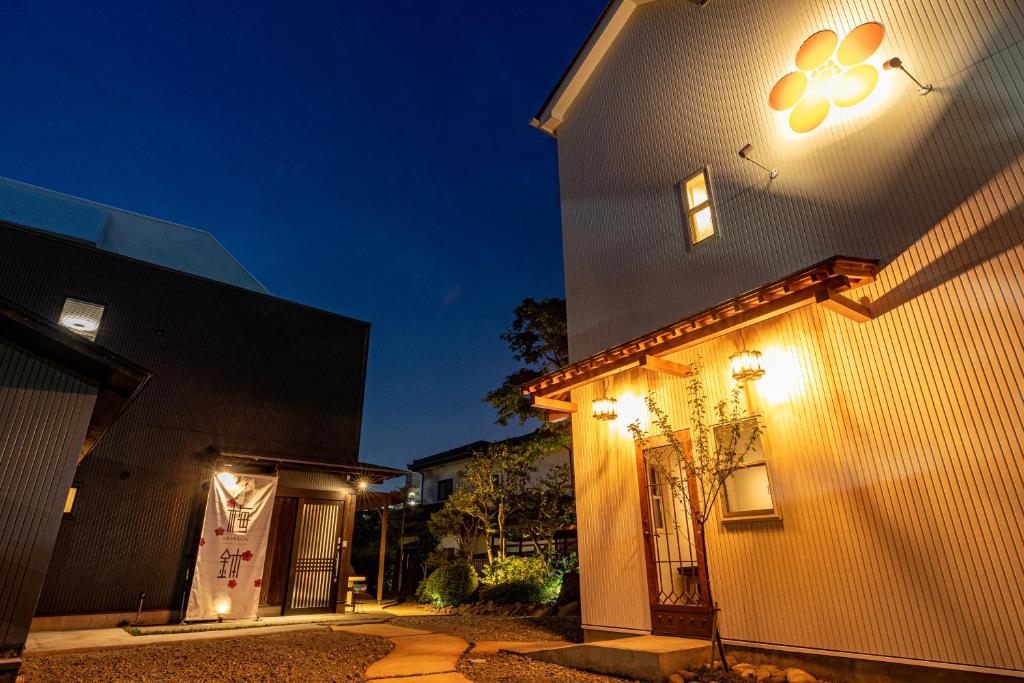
233,370
44,413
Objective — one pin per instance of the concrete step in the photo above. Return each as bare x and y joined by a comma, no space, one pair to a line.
647,658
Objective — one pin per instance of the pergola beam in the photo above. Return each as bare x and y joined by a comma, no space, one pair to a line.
844,306
554,405
655,364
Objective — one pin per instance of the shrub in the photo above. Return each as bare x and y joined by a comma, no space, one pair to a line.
520,579
448,585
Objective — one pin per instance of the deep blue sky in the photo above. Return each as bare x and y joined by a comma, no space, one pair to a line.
369,158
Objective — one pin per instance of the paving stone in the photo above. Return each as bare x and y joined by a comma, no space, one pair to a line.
419,654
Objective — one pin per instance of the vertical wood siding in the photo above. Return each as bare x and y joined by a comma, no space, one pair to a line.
44,415
896,447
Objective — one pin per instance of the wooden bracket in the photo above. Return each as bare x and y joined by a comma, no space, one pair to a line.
553,405
844,306
655,364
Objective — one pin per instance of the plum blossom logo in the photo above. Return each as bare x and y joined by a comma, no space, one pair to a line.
829,73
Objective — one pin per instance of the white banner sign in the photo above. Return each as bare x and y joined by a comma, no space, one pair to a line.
229,567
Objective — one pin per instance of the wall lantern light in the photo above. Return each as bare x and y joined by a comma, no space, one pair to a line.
747,366
604,407
363,485
897,63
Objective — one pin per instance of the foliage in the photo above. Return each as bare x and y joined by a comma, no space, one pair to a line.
538,339
528,580
491,489
450,521
448,585
548,507
712,461
566,564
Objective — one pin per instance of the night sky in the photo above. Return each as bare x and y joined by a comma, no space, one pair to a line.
369,158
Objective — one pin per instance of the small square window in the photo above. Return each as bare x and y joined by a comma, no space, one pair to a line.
444,488
700,210
69,502
748,490
81,317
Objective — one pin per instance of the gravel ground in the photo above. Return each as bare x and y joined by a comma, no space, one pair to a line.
320,656
473,627
504,668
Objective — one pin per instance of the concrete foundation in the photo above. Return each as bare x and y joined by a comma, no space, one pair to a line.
647,658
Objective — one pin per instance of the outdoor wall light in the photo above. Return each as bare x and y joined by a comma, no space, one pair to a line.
79,323
746,365
363,485
773,173
229,480
897,63
604,408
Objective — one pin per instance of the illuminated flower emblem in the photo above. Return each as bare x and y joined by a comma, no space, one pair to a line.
232,583
219,531
202,542
828,75
247,555
258,583
230,503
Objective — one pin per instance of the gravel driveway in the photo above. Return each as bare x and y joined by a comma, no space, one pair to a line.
503,668
473,627
319,656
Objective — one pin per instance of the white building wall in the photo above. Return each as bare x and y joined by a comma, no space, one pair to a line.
896,445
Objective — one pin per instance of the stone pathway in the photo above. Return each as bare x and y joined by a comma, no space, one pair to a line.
422,656
419,656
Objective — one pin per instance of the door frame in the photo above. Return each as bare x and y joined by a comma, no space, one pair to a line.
286,607
673,620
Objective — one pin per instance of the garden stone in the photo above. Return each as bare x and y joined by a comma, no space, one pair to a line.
799,676
689,676
570,609
675,678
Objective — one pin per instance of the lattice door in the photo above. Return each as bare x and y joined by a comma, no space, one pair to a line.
676,563
314,575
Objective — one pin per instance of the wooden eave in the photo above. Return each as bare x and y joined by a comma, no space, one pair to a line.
822,283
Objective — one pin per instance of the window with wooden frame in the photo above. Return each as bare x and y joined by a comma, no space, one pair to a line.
444,488
655,480
697,199
747,493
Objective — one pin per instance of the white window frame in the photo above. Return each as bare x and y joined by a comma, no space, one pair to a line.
772,513
690,211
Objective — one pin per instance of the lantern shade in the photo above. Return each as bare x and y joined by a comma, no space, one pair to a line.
604,408
747,365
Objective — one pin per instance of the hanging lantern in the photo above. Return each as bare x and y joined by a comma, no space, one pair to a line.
604,408
747,365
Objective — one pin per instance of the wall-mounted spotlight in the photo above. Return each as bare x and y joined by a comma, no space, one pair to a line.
773,173
897,63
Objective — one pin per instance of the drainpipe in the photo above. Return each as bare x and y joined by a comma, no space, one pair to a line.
383,549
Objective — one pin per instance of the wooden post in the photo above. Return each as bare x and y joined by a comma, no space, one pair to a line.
383,549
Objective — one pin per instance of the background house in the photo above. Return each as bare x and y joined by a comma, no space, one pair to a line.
242,381
880,526
439,474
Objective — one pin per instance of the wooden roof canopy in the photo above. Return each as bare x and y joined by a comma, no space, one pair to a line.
821,283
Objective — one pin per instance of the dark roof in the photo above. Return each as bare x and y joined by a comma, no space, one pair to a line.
117,379
374,474
460,453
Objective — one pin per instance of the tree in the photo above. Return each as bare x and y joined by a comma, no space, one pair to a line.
712,461
538,339
548,507
449,521
491,489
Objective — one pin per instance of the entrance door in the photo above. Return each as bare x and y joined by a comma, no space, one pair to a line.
313,583
677,576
